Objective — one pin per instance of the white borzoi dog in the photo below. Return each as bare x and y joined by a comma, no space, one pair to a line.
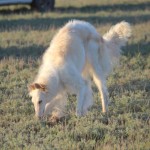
76,54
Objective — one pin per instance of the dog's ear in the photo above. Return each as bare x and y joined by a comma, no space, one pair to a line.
31,87
39,86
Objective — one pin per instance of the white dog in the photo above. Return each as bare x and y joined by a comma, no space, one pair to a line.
76,54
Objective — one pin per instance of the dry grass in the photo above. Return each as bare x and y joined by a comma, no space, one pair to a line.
25,34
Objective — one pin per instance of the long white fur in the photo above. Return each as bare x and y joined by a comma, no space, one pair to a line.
76,53
114,39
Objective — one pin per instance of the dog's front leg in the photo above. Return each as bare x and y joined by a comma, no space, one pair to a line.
80,100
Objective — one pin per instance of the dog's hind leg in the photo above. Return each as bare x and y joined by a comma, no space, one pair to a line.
100,82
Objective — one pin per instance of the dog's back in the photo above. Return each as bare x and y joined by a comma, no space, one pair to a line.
84,29
70,43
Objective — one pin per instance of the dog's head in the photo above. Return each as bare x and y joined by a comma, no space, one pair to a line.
38,92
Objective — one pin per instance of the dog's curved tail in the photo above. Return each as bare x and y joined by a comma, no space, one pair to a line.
113,40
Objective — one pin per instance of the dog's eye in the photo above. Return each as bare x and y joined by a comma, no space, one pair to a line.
40,101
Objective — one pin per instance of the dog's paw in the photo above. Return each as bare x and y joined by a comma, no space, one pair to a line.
53,119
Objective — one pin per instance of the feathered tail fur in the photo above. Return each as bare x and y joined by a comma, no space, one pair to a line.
113,40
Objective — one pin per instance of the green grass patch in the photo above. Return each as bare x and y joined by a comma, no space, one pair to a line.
25,34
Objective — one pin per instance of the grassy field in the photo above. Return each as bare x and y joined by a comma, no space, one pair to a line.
25,34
